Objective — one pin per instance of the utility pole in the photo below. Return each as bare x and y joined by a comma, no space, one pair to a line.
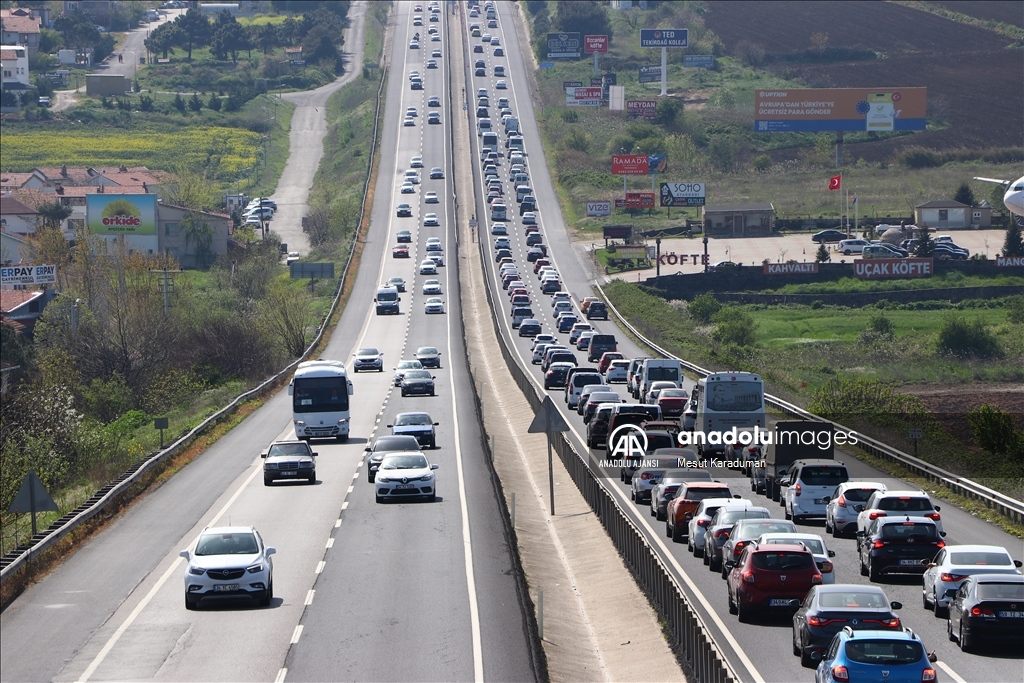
166,284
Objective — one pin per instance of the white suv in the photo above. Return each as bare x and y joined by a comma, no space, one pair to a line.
810,485
229,562
852,246
898,504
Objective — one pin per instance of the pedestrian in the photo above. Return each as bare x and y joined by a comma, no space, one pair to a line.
120,58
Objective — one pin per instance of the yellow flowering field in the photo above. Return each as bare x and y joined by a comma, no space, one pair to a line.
225,151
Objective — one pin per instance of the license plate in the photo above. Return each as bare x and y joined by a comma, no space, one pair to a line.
1011,615
405,486
779,602
821,501
289,473
910,563
225,587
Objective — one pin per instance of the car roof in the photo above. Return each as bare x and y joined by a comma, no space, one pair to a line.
997,578
228,530
849,588
897,494
976,548
879,634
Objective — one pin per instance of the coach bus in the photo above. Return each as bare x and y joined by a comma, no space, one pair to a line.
727,400
320,391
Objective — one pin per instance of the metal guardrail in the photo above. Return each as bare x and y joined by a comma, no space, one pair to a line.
45,539
1005,505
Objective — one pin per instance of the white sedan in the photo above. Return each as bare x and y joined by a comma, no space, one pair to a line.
210,569
430,219
432,287
499,229
501,85
416,162
401,475
954,563
430,198
529,218
428,267
408,188
433,305
408,122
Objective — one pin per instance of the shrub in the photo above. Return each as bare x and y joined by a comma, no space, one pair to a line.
734,327
996,432
1015,309
762,163
703,307
962,339
1013,243
822,255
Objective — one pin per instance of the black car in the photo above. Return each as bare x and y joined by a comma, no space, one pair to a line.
826,610
289,460
529,328
502,253
482,113
897,545
478,48
418,382
480,72
597,310
551,286
428,356
534,238
528,204
385,445
534,254
988,608
554,378
499,52
828,236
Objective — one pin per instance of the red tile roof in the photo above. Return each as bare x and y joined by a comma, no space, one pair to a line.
20,24
11,206
12,298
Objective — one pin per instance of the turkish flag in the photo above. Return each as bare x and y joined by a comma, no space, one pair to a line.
835,182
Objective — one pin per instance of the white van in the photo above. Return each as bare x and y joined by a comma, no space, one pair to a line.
498,212
658,370
852,246
522,191
511,125
483,126
489,142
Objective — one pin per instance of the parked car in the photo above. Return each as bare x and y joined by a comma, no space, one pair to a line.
828,236
852,246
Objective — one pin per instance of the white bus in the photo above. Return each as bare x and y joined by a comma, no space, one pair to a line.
726,400
320,391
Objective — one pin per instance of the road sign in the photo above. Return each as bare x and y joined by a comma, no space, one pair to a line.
663,37
916,433
547,65
683,194
572,84
618,232
321,271
548,419
32,497
699,61
649,74
592,44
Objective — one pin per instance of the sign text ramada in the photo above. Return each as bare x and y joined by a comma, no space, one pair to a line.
128,221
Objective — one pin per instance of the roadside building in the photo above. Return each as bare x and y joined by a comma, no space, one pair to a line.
17,218
14,250
14,63
20,26
946,214
738,220
24,307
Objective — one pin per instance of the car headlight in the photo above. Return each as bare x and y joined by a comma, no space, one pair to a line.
343,421
253,569
383,480
198,571
270,465
427,477
300,423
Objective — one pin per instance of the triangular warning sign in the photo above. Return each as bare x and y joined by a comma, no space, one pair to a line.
548,419
32,497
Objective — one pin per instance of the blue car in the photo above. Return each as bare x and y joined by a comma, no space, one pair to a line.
566,322
896,657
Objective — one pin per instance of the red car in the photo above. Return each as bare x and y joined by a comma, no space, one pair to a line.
673,401
687,497
770,578
400,251
606,360
540,263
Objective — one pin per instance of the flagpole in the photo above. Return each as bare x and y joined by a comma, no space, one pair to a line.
846,212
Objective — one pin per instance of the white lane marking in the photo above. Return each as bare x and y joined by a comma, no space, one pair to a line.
467,545
952,674
337,523
344,506
665,553
355,475
309,597
281,674
320,566
112,641
297,634
350,488
330,543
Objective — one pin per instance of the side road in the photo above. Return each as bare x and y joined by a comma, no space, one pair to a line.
598,626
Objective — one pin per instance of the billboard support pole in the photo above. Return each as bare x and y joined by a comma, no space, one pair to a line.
839,149
664,71
623,188
657,258
597,69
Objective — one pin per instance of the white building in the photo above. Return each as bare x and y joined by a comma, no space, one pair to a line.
14,62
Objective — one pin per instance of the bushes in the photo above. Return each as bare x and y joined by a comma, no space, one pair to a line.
703,307
734,327
996,432
1015,309
963,339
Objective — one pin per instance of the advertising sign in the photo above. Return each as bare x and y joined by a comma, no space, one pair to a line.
683,194
650,74
572,84
629,251
699,61
657,163
787,268
884,268
607,80
599,207
28,275
642,109
564,45
1010,261
583,97
639,200
618,232
592,44
808,109
121,214
663,37
629,164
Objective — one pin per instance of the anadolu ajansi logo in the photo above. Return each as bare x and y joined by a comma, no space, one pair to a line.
629,442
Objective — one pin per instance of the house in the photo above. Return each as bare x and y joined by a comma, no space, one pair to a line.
14,68
738,220
946,214
174,238
17,218
14,250
25,306
20,26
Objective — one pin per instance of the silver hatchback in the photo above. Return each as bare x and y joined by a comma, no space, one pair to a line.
845,503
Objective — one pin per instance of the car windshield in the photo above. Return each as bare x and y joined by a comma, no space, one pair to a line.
905,504
227,544
700,493
417,374
981,557
760,528
858,495
823,476
884,651
427,350
409,365
905,531
1001,591
408,419
288,449
672,393
841,599
403,462
367,352
812,544
781,562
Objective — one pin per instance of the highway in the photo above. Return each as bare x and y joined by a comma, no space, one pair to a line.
410,591
760,651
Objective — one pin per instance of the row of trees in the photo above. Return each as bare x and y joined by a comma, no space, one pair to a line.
319,32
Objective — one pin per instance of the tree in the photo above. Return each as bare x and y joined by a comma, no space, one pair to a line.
77,30
962,339
267,37
53,213
1013,243
996,432
195,28
964,195
190,189
822,255
735,326
164,38
230,38
194,103
179,103
585,16
289,315
214,102
200,233
925,245
704,307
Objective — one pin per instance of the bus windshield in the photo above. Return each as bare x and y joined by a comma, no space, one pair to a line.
320,395
735,396
663,374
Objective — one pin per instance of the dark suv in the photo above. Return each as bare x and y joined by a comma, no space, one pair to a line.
600,343
385,445
597,310
897,545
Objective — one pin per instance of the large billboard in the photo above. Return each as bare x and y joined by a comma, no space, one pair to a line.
599,207
582,97
642,109
121,214
683,194
883,268
564,45
28,275
810,109
639,164
650,74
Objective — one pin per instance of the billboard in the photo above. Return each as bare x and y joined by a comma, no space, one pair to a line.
564,45
121,214
599,207
657,163
582,97
639,200
629,164
635,251
789,268
618,232
683,194
572,84
642,109
820,109
886,268
699,61
650,74
28,275
663,37
592,44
